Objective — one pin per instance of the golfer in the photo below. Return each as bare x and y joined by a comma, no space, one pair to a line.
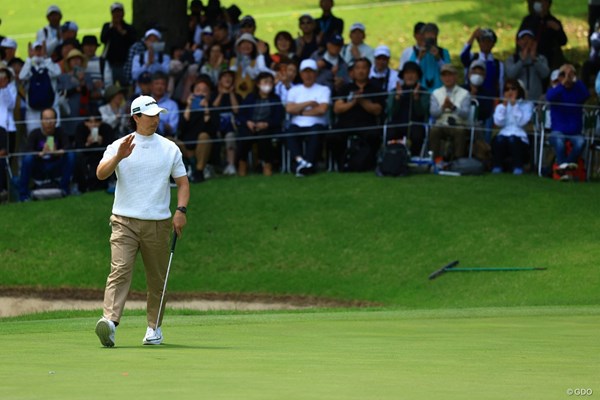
141,220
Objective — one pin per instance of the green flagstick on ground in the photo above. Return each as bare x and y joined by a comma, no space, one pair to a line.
450,268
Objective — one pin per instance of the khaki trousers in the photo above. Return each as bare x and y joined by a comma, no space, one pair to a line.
457,134
151,239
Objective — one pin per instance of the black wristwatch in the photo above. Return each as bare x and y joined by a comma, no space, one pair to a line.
182,209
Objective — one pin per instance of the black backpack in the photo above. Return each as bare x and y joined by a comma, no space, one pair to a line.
358,156
393,160
40,93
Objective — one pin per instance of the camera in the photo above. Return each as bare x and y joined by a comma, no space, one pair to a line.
429,43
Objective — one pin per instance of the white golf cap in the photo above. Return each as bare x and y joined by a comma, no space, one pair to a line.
8,43
308,64
382,50
146,105
37,43
52,9
357,25
151,32
116,6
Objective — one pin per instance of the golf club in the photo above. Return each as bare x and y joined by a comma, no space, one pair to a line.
450,268
162,297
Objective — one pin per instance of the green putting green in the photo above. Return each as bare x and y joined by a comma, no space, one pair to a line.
492,353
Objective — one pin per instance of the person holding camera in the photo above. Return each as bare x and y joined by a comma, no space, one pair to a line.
450,106
198,126
431,57
76,84
566,111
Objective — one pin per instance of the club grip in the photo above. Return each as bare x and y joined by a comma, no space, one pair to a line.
173,242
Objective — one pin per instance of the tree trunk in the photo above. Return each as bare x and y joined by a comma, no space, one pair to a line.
169,17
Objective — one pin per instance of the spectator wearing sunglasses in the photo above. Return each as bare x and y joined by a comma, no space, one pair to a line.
511,143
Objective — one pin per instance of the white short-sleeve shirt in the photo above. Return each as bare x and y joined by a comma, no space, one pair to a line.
300,94
143,189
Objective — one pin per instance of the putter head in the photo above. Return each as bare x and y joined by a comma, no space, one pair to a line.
443,269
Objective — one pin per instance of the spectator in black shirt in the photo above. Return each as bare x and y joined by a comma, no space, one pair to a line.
359,105
51,160
548,32
306,44
328,25
261,115
117,36
92,135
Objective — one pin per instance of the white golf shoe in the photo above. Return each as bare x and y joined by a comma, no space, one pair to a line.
105,329
153,336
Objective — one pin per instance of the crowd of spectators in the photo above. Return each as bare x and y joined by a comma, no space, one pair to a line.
234,101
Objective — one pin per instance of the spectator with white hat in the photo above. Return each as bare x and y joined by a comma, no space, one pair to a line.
381,74
9,49
153,59
38,61
357,48
51,33
308,104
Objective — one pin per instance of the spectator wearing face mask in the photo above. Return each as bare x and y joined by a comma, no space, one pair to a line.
484,96
494,69
261,115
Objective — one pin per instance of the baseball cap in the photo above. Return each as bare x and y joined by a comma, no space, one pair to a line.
525,32
9,43
146,105
554,75
151,32
245,37
448,68
116,6
207,30
69,26
90,39
306,17
477,64
308,64
37,43
52,9
382,50
145,77
248,20
357,25
487,33
410,66
336,39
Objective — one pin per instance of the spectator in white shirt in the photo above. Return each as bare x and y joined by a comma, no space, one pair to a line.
308,104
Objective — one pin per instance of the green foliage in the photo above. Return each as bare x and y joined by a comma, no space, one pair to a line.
343,236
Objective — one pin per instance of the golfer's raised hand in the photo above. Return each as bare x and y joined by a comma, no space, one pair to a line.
126,147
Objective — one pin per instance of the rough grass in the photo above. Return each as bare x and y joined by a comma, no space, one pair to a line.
342,236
